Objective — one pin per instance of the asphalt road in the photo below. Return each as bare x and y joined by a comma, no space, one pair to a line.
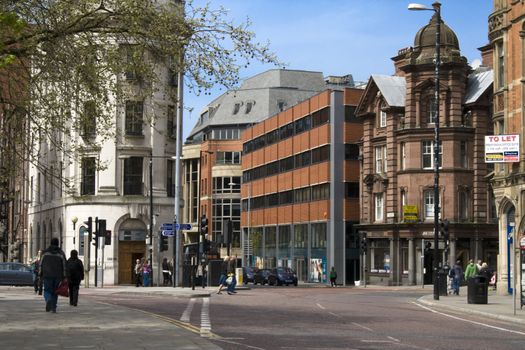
326,318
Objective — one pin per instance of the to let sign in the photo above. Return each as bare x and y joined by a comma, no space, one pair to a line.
502,148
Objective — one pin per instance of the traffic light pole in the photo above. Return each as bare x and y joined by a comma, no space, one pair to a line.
96,251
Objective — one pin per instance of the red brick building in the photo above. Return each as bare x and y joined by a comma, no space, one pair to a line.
398,171
300,191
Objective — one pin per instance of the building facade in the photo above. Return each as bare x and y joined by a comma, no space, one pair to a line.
507,42
300,188
398,115
127,180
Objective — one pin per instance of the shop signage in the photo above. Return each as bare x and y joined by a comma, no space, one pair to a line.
410,213
502,148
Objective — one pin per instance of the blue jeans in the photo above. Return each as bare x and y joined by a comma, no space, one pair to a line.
455,285
50,284
231,286
145,276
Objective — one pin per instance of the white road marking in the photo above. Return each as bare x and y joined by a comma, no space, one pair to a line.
469,321
394,339
321,306
364,327
186,314
336,315
205,317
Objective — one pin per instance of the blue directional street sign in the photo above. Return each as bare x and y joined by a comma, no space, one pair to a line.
167,226
167,233
185,227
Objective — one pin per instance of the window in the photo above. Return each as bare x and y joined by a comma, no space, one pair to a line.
350,114
382,116
133,176
281,106
302,195
134,115
236,108
171,129
320,117
318,236
351,151
321,192
225,134
463,205
463,160
431,111
403,156
228,184
303,124
501,64
303,159
321,154
286,197
351,189
272,137
272,168
286,164
131,56
378,206
88,176
272,199
249,106
170,186
286,131
380,156
228,158
428,197
89,120
428,154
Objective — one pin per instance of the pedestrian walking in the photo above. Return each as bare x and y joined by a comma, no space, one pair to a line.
52,272
146,273
471,270
137,271
75,271
165,272
224,274
333,277
232,264
35,266
456,273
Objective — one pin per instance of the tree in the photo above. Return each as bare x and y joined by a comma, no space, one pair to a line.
61,62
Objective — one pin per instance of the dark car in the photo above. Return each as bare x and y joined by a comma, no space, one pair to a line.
247,274
15,274
282,275
261,276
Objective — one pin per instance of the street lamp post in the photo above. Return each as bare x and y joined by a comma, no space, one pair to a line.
151,215
436,7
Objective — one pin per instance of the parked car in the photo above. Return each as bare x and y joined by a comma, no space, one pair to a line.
282,275
15,274
247,274
261,276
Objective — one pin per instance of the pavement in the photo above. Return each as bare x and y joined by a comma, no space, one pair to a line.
94,325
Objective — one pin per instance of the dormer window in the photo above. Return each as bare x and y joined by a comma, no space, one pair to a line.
249,106
236,108
382,116
281,105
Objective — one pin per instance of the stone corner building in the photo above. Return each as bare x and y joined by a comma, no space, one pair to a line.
398,170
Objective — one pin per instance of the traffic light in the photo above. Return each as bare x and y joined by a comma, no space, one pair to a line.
364,245
107,237
163,243
428,245
444,230
204,225
205,246
89,225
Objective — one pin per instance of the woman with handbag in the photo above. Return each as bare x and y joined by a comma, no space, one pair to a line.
52,272
75,271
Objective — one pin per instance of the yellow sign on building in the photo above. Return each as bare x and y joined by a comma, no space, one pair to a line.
410,213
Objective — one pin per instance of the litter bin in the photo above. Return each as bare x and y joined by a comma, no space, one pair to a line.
477,290
442,283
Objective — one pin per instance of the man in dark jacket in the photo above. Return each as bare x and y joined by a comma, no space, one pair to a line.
75,271
52,272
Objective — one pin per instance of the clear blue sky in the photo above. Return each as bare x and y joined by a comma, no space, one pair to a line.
339,37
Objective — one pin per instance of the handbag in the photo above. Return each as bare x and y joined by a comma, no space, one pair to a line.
63,288
229,280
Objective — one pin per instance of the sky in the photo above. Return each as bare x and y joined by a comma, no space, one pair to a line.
339,37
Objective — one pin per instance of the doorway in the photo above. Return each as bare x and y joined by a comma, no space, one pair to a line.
301,270
129,252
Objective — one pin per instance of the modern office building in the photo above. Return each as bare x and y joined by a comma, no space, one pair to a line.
300,188
212,154
506,27
397,187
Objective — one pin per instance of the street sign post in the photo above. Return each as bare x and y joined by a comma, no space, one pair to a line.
167,233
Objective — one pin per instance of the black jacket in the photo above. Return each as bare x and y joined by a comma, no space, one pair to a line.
75,270
53,263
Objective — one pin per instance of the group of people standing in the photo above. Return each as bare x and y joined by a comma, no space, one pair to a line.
456,274
51,268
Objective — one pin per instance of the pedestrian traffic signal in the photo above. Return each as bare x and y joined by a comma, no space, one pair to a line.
163,243
444,230
107,237
204,225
